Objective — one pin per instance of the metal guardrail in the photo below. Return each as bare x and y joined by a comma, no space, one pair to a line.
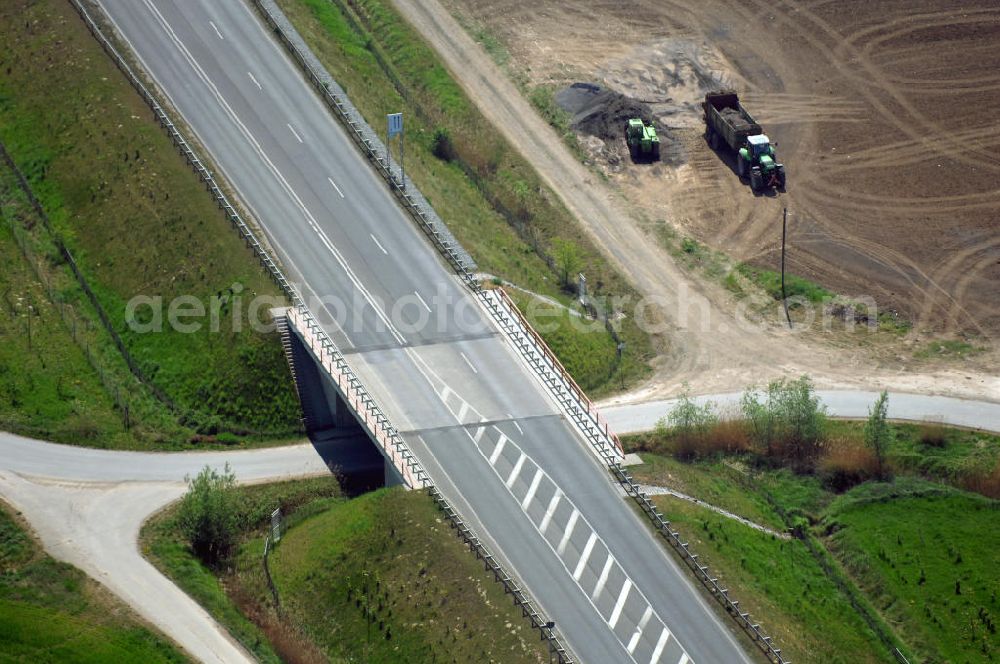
371,416
521,598
368,409
579,407
732,606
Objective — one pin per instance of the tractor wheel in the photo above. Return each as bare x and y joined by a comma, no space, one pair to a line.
656,152
781,178
741,165
756,179
633,151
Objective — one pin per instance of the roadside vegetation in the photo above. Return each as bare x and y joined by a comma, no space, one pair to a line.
880,555
361,579
490,197
51,611
137,222
48,389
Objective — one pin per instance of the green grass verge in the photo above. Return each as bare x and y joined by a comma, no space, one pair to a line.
48,389
51,611
429,598
491,198
136,218
872,551
928,557
584,346
779,582
163,544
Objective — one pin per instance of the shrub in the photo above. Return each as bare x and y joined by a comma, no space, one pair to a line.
443,148
847,463
729,435
209,514
934,435
688,425
986,483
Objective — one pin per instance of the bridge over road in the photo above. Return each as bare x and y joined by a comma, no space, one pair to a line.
490,435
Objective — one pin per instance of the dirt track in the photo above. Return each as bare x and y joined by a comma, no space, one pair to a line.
709,349
884,114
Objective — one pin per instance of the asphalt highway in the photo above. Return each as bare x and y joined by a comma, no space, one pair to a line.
476,416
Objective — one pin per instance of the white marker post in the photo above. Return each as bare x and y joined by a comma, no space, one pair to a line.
395,122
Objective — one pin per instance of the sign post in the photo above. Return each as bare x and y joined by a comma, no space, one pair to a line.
395,126
276,525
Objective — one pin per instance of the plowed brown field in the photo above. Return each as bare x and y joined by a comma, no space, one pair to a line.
886,115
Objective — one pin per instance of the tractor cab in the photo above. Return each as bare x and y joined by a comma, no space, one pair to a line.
756,159
759,146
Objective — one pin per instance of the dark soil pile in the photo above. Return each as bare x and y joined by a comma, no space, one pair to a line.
600,112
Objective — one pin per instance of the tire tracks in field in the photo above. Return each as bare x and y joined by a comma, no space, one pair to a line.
934,136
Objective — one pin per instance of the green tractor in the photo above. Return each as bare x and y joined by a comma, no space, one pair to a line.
756,161
643,143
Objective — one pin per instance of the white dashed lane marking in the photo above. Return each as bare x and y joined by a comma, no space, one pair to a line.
378,244
330,180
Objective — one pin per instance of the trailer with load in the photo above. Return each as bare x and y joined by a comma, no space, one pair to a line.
728,122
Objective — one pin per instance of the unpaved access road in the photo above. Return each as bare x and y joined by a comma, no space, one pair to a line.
712,350
87,507
884,114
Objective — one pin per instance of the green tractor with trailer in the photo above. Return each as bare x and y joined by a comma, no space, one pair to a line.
643,143
727,121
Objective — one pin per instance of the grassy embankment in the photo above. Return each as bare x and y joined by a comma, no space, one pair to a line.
897,550
427,596
51,611
138,222
490,197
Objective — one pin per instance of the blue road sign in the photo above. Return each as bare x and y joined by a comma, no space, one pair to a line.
395,123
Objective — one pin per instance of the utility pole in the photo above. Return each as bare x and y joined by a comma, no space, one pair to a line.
784,298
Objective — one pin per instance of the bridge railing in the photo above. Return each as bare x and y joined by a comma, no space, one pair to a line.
580,408
369,413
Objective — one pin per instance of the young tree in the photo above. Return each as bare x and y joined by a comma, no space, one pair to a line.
208,514
762,420
804,420
878,431
785,419
568,259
